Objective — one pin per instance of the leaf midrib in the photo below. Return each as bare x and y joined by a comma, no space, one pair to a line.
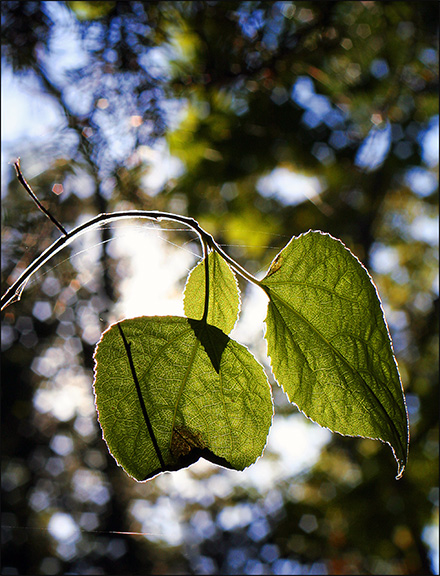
308,323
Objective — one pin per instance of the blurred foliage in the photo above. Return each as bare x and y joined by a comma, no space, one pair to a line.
345,92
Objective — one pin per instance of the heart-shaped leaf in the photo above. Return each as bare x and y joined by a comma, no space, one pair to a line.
224,295
329,342
162,404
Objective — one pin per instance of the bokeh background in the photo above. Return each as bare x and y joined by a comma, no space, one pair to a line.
261,120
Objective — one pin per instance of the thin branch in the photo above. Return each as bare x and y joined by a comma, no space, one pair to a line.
31,193
239,269
13,293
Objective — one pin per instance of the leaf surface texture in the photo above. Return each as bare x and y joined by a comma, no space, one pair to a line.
224,296
329,343
195,410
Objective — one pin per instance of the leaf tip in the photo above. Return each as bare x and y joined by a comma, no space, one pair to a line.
401,461
400,470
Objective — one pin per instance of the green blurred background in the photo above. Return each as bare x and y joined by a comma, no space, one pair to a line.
262,120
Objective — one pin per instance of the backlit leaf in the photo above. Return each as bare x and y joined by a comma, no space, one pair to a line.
193,409
329,343
224,296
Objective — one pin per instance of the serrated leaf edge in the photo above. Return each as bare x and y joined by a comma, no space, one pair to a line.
401,464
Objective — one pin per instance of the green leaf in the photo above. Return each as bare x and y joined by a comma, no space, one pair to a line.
181,408
329,342
224,295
